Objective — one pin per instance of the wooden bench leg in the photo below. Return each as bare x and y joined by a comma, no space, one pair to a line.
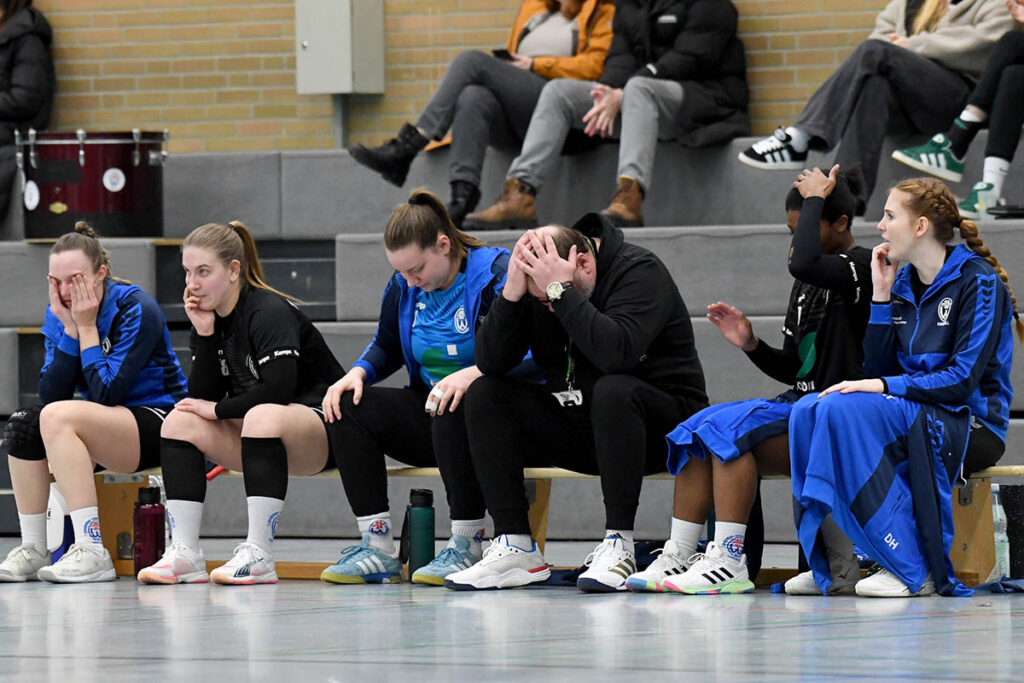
115,497
974,550
540,500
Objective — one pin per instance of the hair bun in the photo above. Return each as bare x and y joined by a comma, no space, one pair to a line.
85,229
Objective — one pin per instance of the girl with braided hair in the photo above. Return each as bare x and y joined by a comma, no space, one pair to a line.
881,454
107,340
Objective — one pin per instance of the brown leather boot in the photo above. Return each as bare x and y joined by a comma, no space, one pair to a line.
624,211
515,209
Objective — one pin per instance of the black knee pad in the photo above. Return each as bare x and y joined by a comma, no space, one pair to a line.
21,435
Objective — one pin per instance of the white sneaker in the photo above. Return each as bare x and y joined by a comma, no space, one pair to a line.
670,562
502,566
82,563
775,152
248,565
180,564
844,570
885,584
23,563
712,573
608,567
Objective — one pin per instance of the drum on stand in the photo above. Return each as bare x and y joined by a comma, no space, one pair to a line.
114,181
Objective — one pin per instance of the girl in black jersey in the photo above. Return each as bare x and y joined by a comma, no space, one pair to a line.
259,370
718,453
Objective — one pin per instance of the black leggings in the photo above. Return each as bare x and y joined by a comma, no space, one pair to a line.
1000,92
619,434
394,422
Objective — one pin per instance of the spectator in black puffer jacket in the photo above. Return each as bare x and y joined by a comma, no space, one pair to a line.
676,69
27,81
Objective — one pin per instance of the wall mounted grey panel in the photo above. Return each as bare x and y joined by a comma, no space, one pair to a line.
9,379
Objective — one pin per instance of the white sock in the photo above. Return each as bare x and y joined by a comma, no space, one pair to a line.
627,537
523,541
798,139
686,535
263,515
729,537
474,530
378,528
995,172
33,530
185,517
967,117
86,523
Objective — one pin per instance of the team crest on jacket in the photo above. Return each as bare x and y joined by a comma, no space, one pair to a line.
945,306
105,346
461,323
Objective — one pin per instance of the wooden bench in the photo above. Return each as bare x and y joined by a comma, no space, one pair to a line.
973,551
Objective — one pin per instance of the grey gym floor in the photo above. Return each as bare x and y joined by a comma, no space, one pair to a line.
304,630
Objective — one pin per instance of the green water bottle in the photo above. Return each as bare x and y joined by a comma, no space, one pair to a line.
418,529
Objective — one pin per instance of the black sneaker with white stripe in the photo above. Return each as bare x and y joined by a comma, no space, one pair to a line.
774,153
715,572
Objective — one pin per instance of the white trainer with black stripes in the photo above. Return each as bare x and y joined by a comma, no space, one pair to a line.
714,572
671,561
774,153
608,567
249,565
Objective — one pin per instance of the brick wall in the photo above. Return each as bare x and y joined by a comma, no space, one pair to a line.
220,73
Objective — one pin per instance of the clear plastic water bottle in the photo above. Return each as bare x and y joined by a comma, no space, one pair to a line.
1002,540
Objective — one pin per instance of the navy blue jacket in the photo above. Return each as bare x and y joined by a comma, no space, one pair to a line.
134,364
953,348
392,345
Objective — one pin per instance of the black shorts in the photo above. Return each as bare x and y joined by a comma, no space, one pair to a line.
149,420
319,410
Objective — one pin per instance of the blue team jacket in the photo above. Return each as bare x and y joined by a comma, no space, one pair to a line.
134,364
954,348
392,344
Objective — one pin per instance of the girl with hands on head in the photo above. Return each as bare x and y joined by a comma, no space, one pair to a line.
106,340
259,370
444,283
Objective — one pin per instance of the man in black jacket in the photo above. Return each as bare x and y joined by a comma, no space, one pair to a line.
675,70
609,331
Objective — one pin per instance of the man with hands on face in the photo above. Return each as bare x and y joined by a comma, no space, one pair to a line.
675,70
611,335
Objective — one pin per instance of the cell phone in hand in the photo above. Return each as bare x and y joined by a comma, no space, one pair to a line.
502,53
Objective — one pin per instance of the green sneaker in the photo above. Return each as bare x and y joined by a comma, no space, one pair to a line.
363,564
933,157
974,206
454,558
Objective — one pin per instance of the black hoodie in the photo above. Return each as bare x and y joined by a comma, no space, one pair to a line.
634,323
27,76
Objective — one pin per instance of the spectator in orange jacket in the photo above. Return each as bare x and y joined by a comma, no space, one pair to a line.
488,100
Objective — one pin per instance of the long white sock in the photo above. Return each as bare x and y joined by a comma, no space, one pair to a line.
263,515
33,530
995,172
627,537
185,516
686,535
474,530
798,138
378,528
523,541
729,537
86,522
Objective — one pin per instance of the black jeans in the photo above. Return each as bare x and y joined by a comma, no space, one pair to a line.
620,436
393,422
485,101
881,89
1000,92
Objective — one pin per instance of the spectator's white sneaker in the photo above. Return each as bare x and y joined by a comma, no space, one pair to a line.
670,562
503,566
885,584
249,565
23,563
608,567
774,153
845,574
712,573
82,563
180,564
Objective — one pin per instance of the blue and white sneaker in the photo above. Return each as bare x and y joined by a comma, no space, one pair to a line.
363,564
608,567
670,562
454,558
249,565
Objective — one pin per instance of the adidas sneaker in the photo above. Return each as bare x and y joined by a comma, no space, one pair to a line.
363,564
503,566
670,562
982,197
608,567
454,558
774,153
933,157
248,565
712,573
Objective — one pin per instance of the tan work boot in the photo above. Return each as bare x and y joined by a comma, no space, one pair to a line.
624,211
515,209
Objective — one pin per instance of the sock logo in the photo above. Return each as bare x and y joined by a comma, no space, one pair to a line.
478,537
379,527
272,523
92,529
734,546
170,520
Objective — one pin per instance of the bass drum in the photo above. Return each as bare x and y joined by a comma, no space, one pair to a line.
114,181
